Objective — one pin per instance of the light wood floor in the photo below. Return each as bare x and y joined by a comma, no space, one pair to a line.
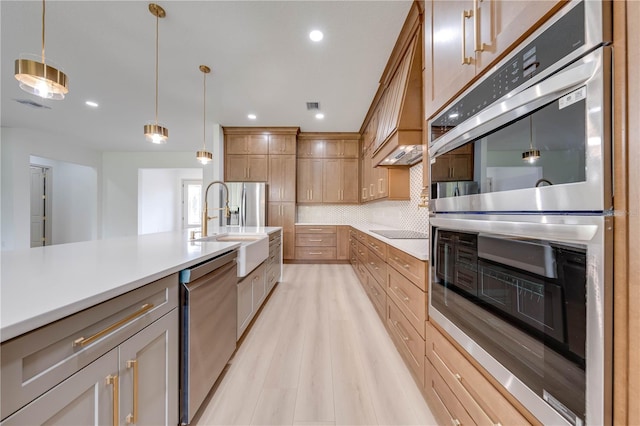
318,354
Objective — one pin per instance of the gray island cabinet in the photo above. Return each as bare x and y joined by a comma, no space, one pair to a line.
113,363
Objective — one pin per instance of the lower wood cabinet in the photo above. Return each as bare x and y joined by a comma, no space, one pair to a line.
252,290
324,243
284,215
457,392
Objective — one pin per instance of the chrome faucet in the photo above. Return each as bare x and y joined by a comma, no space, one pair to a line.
205,211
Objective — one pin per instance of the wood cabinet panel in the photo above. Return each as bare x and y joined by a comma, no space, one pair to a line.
484,403
282,145
377,246
377,267
442,401
309,181
414,269
246,168
257,168
235,144
411,299
407,340
310,148
312,240
342,242
284,215
316,229
282,178
316,253
341,148
340,181
456,165
257,144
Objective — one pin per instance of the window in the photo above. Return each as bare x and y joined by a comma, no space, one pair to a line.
191,203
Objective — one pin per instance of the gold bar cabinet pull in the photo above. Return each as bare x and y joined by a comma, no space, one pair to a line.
113,381
81,341
478,45
466,14
133,417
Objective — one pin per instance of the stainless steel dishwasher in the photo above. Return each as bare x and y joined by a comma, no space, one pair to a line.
208,298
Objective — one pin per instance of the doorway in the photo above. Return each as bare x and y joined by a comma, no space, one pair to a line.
41,202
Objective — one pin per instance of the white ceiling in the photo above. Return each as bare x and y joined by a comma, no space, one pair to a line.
261,58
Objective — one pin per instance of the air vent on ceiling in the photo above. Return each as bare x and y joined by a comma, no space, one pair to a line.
32,104
313,105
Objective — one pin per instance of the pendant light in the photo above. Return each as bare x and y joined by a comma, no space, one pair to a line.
531,155
41,79
204,156
154,132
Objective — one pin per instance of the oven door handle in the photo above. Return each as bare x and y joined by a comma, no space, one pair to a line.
521,104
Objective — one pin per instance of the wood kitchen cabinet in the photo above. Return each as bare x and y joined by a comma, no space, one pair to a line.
246,144
340,181
342,242
341,148
284,215
282,144
309,181
453,61
282,178
310,148
246,168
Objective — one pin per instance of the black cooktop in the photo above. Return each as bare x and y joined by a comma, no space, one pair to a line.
400,234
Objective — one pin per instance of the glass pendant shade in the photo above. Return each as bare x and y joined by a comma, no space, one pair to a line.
38,78
156,133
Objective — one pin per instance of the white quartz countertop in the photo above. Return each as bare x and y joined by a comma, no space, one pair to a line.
418,248
41,285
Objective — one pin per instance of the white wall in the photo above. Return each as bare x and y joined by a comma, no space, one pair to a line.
120,185
74,198
17,147
160,198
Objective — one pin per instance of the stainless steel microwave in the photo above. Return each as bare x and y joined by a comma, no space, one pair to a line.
539,124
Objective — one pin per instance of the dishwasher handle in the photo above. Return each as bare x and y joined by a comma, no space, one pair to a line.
202,269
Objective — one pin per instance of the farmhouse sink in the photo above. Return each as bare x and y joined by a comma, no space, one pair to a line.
254,249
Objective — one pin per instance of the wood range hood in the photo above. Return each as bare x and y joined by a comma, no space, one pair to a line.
393,129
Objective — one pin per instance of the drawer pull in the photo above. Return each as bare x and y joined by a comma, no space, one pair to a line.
315,229
133,417
403,335
459,377
316,241
113,381
455,422
315,252
81,341
406,266
401,293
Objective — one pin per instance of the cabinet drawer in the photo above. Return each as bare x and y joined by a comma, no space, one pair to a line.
361,251
319,253
316,229
36,361
311,240
377,295
377,267
409,266
408,341
445,406
378,246
409,298
484,403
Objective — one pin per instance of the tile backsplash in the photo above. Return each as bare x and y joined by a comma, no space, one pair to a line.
397,214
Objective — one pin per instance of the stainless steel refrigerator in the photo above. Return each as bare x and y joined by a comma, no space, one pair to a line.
247,203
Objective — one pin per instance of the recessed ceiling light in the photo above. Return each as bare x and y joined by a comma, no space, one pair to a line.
319,116
252,116
316,35
92,104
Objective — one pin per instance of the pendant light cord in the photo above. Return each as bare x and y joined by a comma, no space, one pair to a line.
204,111
43,31
157,36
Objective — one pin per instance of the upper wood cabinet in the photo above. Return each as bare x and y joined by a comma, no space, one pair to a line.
246,168
309,181
341,148
282,178
310,148
282,144
340,181
490,29
247,144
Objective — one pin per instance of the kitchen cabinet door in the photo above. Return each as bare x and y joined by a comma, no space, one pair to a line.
282,178
342,243
449,51
331,181
88,397
245,305
341,148
235,144
257,168
149,374
310,148
282,144
350,183
309,181
235,168
284,215
502,23
257,144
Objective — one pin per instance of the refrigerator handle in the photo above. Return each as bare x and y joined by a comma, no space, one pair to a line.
243,207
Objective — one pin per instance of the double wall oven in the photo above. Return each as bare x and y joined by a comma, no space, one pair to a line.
521,271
